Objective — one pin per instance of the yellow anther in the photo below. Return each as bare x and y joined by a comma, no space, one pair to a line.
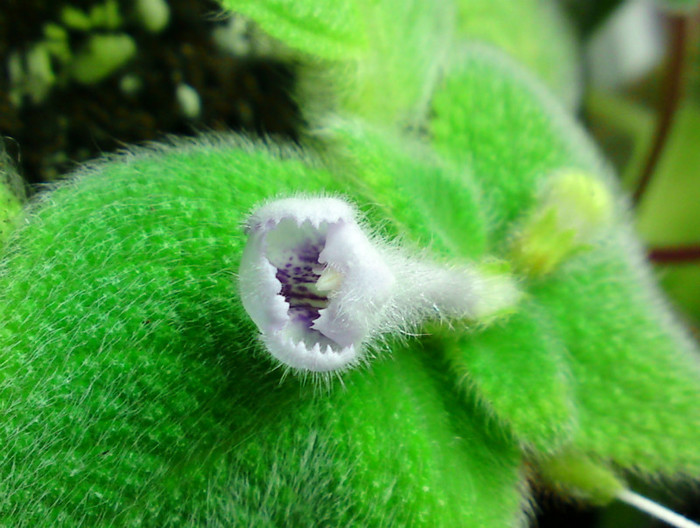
329,281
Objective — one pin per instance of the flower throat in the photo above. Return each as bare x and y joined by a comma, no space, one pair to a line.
294,251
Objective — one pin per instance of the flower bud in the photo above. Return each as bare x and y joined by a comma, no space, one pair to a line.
572,210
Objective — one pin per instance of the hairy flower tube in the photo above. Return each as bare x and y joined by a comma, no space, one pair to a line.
319,288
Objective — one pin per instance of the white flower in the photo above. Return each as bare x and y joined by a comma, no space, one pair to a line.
319,288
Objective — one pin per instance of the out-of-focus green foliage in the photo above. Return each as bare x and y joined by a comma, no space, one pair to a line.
668,215
681,6
525,30
587,15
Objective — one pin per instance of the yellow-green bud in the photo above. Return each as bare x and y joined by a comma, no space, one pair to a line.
572,210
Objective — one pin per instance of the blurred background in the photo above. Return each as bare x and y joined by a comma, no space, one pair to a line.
81,78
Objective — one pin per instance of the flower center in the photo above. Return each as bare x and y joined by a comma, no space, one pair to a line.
306,283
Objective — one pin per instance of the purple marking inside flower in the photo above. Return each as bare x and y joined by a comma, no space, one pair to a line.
298,277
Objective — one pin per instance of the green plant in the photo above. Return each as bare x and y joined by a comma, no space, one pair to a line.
135,391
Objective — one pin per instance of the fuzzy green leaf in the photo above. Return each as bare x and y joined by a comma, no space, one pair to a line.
326,29
534,32
494,117
636,374
518,370
133,392
375,59
432,203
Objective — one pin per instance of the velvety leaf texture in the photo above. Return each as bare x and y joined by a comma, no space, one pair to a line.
434,204
379,59
500,121
520,371
327,29
526,30
133,389
634,371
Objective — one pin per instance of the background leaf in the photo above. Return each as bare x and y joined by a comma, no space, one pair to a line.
668,214
326,29
534,32
379,59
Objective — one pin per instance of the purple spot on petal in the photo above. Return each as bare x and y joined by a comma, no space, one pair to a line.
298,278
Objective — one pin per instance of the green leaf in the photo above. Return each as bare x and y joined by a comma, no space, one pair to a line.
518,370
534,32
326,29
391,450
436,205
636,373
133,391
668,214
498,120
120,327
373,58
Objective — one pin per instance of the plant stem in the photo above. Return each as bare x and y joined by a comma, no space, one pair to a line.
675,254
668,105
